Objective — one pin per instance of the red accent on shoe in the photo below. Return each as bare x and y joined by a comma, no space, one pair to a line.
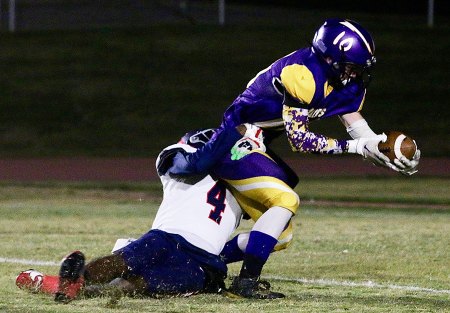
30,280
70,289
50,284
35,281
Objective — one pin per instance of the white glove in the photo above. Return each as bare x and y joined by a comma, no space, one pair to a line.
368,148
254,132
408,167
253,139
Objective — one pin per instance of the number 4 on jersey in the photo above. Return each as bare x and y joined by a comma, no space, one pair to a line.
216,197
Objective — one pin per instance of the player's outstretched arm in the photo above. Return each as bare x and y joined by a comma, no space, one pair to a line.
301,139
239,140
368,148
358,128
200,162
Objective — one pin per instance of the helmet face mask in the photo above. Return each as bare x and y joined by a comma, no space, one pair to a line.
347,72
349,50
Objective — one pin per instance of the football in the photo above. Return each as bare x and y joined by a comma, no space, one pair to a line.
398,144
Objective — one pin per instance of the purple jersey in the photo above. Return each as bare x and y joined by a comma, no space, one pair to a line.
297,80
284,97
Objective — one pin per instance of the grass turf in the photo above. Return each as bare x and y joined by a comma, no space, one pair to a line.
346,259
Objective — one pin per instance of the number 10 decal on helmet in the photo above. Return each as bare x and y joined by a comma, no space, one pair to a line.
349,50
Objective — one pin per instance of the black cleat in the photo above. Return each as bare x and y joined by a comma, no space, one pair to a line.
252,288
70,277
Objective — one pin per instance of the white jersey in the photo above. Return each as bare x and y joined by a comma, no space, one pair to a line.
203,212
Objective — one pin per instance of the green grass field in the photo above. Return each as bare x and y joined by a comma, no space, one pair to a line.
382,246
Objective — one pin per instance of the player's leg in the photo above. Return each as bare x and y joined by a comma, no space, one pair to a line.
185,278
261,188
74,275
100,271
103,277
181,269
104,269
234,249
291,177
262,241
130,260
118,287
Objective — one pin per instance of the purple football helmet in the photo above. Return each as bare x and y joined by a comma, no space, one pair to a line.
349,47
197,138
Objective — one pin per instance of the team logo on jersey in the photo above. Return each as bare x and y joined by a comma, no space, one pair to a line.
316,113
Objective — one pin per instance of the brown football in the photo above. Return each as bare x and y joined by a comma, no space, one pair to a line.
397,144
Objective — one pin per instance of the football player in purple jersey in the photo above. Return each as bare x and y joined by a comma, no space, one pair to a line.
327,79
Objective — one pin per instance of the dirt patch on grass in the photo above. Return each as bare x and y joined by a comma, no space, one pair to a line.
143,169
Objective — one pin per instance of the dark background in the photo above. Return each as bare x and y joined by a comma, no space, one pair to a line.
126,78
441,7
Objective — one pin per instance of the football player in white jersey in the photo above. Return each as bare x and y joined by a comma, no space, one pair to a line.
179,255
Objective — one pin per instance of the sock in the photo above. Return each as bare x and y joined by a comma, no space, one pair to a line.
50,284
259,247
231,251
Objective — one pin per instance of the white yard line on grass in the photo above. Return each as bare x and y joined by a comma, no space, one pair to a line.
367,284
28,262
323,282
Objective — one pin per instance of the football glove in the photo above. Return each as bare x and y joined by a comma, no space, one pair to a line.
253,139
368,148
408,167
165,160
244,146
254,132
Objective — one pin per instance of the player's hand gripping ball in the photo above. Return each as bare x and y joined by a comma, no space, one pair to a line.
397,145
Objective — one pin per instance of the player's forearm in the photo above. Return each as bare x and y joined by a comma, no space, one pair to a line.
357,126
207,156
201,161
302,140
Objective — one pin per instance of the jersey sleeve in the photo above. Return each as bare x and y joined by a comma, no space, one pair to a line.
202,160
301,139
165,159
